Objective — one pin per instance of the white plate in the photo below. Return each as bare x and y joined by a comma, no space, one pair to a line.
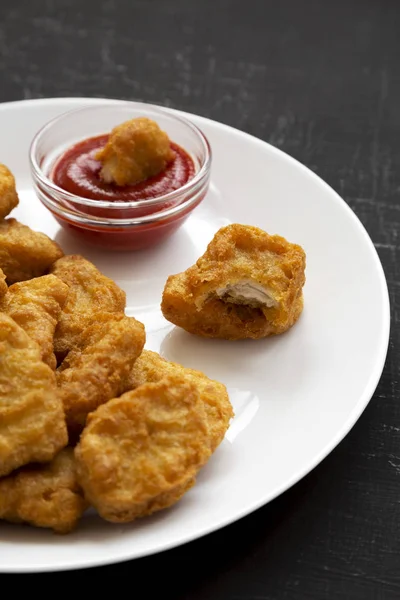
295,396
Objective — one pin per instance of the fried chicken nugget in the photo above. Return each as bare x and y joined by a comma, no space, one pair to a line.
100,371
25,253
35,305
44,495
139,453
135,151
8,193
90,295
3,285
248,284
150,367
32,422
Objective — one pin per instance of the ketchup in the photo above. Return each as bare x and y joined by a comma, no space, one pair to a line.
78,172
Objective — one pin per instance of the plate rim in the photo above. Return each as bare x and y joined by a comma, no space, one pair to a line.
358,409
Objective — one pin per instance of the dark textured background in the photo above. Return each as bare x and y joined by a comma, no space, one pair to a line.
321,80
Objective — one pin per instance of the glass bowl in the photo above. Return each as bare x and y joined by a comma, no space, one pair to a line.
118,225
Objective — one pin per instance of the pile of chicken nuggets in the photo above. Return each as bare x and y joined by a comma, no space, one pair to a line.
88,417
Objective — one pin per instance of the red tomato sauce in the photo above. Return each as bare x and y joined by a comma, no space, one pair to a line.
78,172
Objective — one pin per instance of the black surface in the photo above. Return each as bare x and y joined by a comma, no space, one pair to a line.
320,80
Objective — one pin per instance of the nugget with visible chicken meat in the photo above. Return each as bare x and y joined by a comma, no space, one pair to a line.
100,370
44,495
139,453
25,253
35,305
150,367
8,193
136,150
32,422
248,284
90,294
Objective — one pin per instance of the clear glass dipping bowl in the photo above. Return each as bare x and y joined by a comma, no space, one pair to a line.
118,225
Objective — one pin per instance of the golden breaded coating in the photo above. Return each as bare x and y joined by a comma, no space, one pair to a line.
150,367
90,294
35,305
164,500
32,422
100,371
25,253
44,495
139,453
135,151
3,285
8,193
90,336
248,284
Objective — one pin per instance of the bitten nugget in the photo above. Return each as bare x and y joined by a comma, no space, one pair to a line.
44,495
248,284
139,453
25,253
32,422
90,294
35,305
8,193
136,150
3,285
150,367
100,371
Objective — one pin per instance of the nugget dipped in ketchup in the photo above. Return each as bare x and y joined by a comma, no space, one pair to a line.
135,151
136,161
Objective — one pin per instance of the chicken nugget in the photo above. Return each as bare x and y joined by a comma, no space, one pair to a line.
135,151
8,193
32,422
89,336
100,371
139,453
3,285
44,495
25,253
35,305
150,367
248,284
90,294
